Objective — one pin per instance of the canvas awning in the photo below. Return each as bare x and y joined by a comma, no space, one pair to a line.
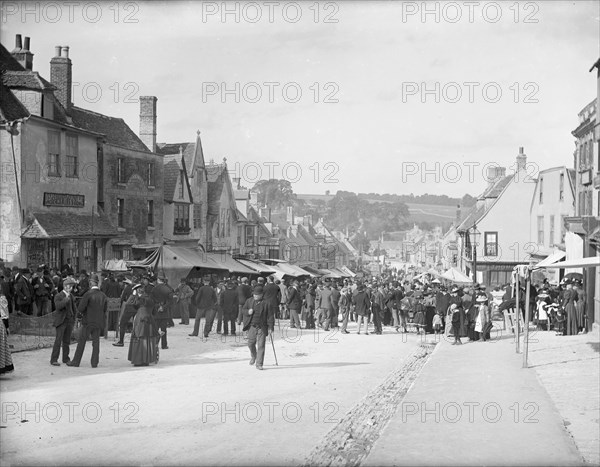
259,267
288,269
226,262
313,272
348,271
590,262
114,265
551,259
455,275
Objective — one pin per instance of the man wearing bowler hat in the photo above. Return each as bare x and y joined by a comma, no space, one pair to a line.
206,302
93,306
259,320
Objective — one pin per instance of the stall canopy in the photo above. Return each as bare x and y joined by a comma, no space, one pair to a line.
257,266
589,262
313,272
226,262
347,271
551,259
115,265
455,275
287,269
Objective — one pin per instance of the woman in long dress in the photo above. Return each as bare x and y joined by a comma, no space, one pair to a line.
6,363
568,303
483,318
143,346
580,307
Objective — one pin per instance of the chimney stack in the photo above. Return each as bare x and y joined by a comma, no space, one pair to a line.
458,215
521,160
290,215
22,54
494,174
61,76
148,121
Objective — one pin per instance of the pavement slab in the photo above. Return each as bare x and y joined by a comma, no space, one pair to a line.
474,404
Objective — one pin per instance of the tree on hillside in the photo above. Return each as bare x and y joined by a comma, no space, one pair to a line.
275,194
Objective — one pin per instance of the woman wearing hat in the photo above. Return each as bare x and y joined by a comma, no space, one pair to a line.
581,306
483,320
143,346
569,299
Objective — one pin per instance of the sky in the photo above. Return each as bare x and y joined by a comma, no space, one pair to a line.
370,97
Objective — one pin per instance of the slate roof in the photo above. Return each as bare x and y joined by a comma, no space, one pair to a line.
68,225
216,176
11,108
117,132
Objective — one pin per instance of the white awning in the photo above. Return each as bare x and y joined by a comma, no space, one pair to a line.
590,262
551,259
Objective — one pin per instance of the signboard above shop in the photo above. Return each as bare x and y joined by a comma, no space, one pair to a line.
64,200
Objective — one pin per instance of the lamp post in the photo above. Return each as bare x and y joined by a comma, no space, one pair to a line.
474,240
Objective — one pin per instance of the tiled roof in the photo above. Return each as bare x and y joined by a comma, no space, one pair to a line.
11,108
241,217
8,62
116,130
26,79
216,184
192,152
495,190
68,225
472,217
172,166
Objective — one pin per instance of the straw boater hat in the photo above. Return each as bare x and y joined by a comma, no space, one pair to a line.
481,299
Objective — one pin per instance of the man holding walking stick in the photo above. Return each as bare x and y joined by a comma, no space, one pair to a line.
259,321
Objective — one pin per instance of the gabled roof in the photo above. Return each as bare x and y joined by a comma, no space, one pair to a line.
497,188
193,154
218,180
173,165
8,62
241,217
116,131
11,108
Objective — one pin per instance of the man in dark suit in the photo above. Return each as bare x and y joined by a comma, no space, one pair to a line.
93,306
272,294
230,308
294,304
63,321
259,320
206,302
244,293
24,292
335,308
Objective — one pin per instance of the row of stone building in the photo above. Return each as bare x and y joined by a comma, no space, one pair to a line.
538,217
82,185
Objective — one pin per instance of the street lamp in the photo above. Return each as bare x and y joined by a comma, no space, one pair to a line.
474,241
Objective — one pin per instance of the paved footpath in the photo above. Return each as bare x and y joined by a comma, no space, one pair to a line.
474,404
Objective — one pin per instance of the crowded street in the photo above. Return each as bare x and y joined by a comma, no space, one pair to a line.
299,233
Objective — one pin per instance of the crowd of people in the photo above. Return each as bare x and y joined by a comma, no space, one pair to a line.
394,299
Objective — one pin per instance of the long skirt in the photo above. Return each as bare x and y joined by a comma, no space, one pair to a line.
580,314
572,326
143,346
6,363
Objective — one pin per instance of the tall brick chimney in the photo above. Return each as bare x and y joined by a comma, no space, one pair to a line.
458,215
521,160
22,54
148,121
61,75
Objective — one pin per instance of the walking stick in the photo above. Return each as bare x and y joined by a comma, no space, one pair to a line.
273,345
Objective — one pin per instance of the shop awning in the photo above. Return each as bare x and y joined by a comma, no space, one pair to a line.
590,262
288,269
145,246
259,267
226,262
551,259
56,225
331,274
348,271
313,272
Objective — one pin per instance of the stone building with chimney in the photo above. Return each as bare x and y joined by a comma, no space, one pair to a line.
50,190
495,234
90,188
